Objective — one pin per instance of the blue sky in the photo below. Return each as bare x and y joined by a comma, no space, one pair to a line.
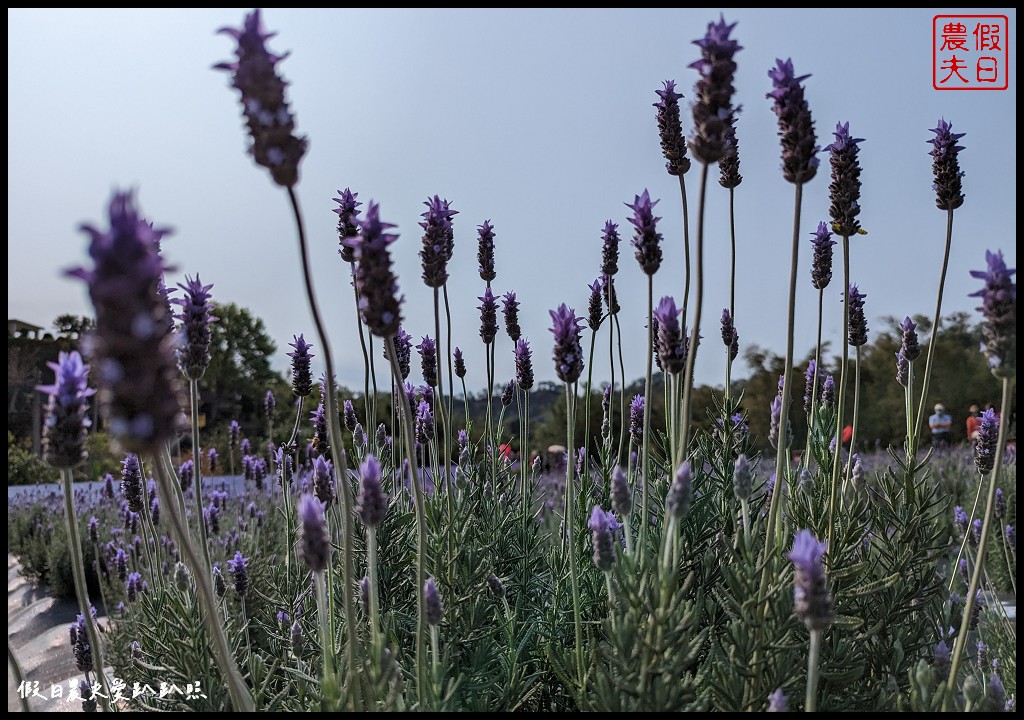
540,121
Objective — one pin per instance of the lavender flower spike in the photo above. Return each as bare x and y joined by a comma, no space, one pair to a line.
131,482
595,313
670,129
134,361
636,419
460,363
510,310
809,375
910,346
902,368
796,128
646,238
844,190
813,600
508,394
568,350
729,165
195,318
428,360
437,227
302,378
601,535
488,316
239,569
347,211
372,503
485,251
680,493
858,323
670,344
622,496
314,540
433,607
67,413
999,308
712,108
821,263
269,404
610,249
524,364
778,702
730,337
946,166
323,480
985,445
271,124
376,284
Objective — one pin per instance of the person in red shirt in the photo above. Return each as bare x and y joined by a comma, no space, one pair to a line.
973,424
847,435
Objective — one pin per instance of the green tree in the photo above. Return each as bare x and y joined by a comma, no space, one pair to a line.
72,326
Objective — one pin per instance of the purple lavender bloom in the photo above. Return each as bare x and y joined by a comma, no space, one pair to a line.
372,503
233,431
858,323
347,211
940,660
212,514
424,422
108,486
376,284
437,229
601,536
610,249
996,695
946,166
524,364
960,520
796,128
774,430
828,391
742,478
671,347
185,473
428,360
730,336
568,350
460,363
508,394
680,493
94,529
121,564
433,607
778,702
902,368
85,689
821,264
712,109
654,342
670,129
729,165
403,351
813,600
809,376
269,403
844,190
646,238
636,419
218,581
622,496
510,310
302,378
213,457
314,540
271,124
348,413
82,648
999,308
488,316
910,346
485,251
986,444
594,309
323,480
1000,504
239,569
132,587
195,318
1011,538
131,482
67,412
321,436
137,376
982,656
609,295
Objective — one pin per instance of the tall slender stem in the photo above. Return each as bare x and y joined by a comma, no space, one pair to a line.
366,357
811,700
645,473
569,517
856,414
814,383
782,452
445,439
344,486
841,404
81,588
686,239
933,340
197,474
326,640
979,558
372,424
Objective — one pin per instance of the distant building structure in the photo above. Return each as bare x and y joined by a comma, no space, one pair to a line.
22,329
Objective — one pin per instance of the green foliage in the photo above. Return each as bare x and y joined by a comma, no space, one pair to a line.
24,468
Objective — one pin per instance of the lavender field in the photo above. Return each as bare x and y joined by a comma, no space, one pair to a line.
814,537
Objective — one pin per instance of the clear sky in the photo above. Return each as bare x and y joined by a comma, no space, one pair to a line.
540,121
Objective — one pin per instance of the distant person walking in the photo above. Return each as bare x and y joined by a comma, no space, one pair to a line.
973,424
940,423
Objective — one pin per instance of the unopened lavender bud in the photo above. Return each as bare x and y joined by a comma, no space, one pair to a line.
568,350
182,577
364,594
622,496
601,536
485,251
636,419
460,363
358,436
940,661
433,607
858,322
510,310
381,435
131,482
524,364
488,316
902,368
680,493
185,472
742,478
372,503
812,597
428,361
986,444
508,394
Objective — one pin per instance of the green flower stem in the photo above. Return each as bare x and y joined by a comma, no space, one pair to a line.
933,340
421,522
445,439
197,474
241,697
328,686
686,240
691,355
837,458
856,413
371,570
367,407
622,385
337,453
81,588
812,421
813,655
570,525
371,426
773,532
645,473
586,403
979,558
